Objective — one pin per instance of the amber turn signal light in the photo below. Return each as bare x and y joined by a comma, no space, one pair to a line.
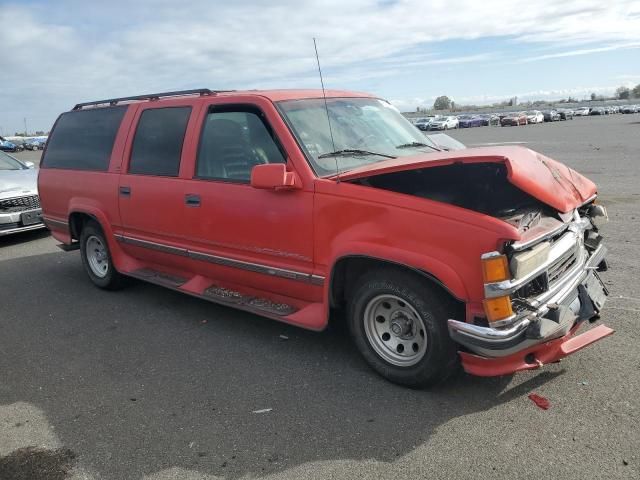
495,269
498,308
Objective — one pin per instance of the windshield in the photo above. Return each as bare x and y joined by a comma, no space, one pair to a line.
7,162
365,130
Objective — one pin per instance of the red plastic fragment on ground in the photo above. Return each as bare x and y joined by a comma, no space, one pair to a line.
541,402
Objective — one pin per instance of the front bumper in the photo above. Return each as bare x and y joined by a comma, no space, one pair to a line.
23,221
535,356
553,316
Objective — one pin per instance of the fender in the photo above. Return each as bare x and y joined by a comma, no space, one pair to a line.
122,261
426,265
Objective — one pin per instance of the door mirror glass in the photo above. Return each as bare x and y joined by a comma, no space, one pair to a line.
273,176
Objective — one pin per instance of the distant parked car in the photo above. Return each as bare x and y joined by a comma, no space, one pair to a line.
35,144
551,116
535,116
489,119
423,123
7,146
565,114
444,123
597,111
581,112
468,121
514,119
629,109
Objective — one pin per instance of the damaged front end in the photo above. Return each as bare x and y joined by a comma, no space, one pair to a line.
539,288
548,286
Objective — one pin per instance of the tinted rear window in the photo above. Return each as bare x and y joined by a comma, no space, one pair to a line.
83,140
157,146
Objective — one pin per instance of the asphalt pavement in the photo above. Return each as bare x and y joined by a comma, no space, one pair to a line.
149,383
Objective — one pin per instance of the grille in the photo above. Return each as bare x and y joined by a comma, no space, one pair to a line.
20,204
562,266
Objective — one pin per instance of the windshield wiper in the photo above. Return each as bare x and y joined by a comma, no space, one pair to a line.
417,144
353,151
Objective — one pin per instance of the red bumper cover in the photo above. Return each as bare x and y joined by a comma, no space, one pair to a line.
533,357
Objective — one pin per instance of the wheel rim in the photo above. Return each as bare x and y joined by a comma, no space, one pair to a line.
395,330
97,256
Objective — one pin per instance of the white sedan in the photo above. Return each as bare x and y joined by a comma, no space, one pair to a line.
444,123
535,116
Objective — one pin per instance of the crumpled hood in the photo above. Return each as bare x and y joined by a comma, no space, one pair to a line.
549,181
17,183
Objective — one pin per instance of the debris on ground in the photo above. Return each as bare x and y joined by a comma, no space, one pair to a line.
284,337
583,383
203,321
264,410
540,401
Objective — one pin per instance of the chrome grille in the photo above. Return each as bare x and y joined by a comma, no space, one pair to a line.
562,266
20,204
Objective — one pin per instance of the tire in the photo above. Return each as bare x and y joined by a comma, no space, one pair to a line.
417,318
96,258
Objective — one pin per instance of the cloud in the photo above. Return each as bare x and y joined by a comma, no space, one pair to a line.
582,51
71,50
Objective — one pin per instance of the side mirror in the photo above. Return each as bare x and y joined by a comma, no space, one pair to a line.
274,176
29,164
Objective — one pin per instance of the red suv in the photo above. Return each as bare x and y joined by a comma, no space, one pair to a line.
293,206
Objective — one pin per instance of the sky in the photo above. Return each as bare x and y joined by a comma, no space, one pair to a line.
59,53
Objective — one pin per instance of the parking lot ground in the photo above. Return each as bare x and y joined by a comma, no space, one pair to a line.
148,383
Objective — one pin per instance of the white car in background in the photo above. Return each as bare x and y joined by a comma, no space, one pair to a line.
535,116
444,123
581,112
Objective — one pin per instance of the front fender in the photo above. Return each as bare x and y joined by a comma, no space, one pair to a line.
443,273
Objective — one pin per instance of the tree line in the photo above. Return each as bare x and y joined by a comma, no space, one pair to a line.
622,93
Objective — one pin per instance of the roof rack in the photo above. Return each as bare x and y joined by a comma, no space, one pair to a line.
150,96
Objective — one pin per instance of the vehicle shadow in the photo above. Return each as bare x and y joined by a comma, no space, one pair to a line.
23,237
146,379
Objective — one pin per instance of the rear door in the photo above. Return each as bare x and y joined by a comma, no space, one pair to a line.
152,186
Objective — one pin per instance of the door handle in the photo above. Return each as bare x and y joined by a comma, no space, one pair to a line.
192,200
125,191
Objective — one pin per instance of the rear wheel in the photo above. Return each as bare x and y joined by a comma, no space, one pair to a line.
96,258
398,323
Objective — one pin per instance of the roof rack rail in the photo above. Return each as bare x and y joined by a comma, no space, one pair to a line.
150,96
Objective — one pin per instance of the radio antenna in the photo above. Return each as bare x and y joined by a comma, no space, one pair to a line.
326,108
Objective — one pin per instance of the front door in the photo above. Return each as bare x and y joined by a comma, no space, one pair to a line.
250,237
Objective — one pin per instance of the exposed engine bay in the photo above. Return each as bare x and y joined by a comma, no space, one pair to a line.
481,187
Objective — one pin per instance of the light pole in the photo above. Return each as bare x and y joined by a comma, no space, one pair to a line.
25,127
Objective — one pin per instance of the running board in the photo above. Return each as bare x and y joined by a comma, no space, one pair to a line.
234,298
159,278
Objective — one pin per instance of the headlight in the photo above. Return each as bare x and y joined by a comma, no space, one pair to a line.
526,262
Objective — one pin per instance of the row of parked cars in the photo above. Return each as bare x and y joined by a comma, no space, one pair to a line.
18,144
446,122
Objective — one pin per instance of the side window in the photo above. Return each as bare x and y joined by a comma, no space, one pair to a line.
83,139
157,145
233,141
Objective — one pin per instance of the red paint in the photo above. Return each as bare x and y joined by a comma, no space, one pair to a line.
292,220
541,402
542,354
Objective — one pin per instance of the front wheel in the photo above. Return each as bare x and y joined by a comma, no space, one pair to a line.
96,258
398,323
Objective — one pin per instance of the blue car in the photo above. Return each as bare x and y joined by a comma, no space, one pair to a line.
468,121
7,146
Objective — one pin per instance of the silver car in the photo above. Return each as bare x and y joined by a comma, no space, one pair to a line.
19,201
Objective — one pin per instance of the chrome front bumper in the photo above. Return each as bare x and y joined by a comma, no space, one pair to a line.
554,314
11,223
